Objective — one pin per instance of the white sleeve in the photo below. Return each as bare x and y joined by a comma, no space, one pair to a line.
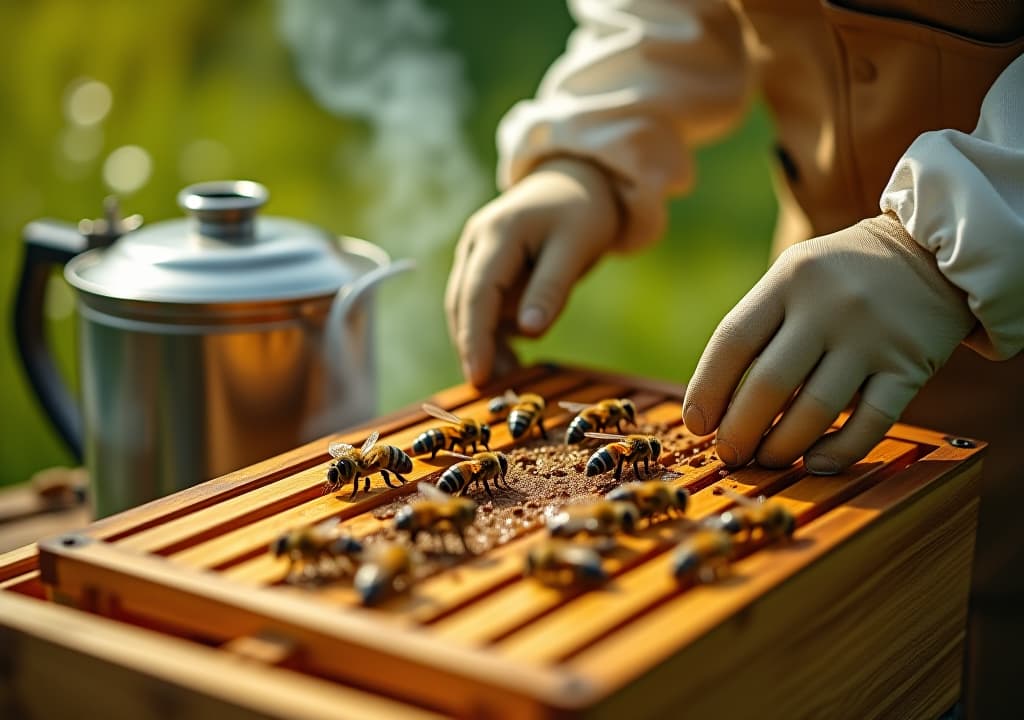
640,83
962,197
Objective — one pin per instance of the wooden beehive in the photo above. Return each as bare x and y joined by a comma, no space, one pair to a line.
862,615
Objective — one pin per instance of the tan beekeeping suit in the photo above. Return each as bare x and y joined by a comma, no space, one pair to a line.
877,106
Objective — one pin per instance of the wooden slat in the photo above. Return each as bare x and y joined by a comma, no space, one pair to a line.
63,663
247,479
264,569
441,594
351,646
584,620
177,535
795,622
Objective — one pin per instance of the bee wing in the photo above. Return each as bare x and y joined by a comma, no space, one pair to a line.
440,413
369,442
510,396
573,407
460,456
605,436
337,449
433,492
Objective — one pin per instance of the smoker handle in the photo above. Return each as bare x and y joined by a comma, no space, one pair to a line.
48,244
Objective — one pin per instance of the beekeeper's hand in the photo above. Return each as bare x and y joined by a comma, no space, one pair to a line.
862,309
520,255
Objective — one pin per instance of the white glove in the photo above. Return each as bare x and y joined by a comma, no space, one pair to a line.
862,309
520,255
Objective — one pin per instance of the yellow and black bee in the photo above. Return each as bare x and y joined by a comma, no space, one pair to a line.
480,468
309,547
626,448
604,517
558,562
500,404
652,497
527,413
597,417
705,554
351,464
436,512
772,517
387,568
461,432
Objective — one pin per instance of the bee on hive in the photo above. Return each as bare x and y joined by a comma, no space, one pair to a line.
387,568
351,464
436,513
309,547
652,498
558,562
462,432
527,412
626,448
704,554
480,468
770,516
603,517
597,417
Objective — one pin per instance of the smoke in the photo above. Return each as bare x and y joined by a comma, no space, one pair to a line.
383,62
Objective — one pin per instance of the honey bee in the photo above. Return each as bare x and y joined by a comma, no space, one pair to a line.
604,517
652,497
309,547
558,562
772,517
480,468
436,513
626,448
461,432
705,554
597,417
527,413
350,464
387,568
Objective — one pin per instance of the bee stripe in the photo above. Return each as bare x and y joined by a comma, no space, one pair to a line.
451,480
519,422
577,428
428,441
600,462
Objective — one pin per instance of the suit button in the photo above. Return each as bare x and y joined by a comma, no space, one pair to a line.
863,70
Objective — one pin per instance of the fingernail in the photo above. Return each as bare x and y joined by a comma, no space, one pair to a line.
727,452
693,418
818,464
532,319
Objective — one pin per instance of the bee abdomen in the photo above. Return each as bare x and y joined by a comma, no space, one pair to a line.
577,430
428,441
519,422
398,460
600,462
451,480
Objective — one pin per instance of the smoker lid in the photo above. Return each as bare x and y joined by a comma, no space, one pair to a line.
223,253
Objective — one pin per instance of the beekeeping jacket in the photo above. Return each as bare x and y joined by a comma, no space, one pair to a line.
878,107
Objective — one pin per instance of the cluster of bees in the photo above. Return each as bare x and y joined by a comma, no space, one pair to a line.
578,534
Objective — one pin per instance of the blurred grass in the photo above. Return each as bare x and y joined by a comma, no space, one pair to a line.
188,70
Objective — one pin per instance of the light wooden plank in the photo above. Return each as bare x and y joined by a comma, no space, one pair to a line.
264,569
582,620
63,662
860,634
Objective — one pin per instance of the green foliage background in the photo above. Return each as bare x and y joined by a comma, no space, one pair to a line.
185,70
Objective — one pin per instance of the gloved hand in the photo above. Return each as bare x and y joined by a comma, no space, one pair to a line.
863,309
522,253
